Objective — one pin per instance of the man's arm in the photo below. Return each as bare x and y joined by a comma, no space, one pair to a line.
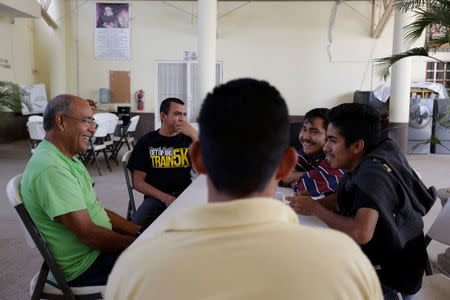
187,129
92,235
121,224
329,202
147,189
360,227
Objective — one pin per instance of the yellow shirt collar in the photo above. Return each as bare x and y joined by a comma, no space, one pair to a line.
241,212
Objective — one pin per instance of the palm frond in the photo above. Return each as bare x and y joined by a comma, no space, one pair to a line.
444,118
9,97
383,65
407,5
424,18
432,140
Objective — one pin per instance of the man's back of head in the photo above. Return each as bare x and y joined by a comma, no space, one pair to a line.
243,135
247,245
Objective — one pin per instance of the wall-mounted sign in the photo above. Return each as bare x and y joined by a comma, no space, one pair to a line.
112,32
4,63
33,98
190,55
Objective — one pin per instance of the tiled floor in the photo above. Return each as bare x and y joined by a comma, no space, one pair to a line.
18,263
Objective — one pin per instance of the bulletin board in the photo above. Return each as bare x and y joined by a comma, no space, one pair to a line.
119,84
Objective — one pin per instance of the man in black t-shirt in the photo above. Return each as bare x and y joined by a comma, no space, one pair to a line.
160,162
380,200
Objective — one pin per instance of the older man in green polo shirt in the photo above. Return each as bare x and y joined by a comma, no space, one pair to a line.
58,194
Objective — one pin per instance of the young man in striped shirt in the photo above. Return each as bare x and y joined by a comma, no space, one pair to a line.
313,174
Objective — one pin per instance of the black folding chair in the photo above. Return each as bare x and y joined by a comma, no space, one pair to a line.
41,287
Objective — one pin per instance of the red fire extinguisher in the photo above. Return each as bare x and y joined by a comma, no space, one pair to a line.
140,100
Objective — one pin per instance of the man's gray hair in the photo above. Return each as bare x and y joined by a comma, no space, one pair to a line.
59,105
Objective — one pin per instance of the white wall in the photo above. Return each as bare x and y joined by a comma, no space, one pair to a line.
284,43
17,48
50,51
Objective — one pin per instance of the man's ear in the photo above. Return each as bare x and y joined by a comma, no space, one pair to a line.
357,147
59,122
287,163
162,116
195,154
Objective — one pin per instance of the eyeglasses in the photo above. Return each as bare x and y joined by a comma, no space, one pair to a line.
86,122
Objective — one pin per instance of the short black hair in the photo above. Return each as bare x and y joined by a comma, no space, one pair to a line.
357,121
165,105
244,132
317,113
59,105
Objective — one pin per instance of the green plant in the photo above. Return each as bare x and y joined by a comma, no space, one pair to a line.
434,13
9,97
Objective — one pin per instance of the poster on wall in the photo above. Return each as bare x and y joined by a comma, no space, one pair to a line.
33,99
112,31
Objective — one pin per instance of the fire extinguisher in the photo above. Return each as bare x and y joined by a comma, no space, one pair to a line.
140,99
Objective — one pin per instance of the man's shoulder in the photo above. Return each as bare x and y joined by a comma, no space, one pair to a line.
151,134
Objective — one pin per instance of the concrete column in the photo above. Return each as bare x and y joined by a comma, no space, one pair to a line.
207,27
400,85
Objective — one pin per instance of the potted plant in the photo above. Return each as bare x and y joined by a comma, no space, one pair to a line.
9,97
92,104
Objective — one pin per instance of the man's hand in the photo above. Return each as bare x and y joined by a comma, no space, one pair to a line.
168,200
122,225
147,189
303,204
187,129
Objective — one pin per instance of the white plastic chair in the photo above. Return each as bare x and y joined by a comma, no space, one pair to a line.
36,132
43,286
36,118
130,131
440,230
111,120
96,144
437,286
126,137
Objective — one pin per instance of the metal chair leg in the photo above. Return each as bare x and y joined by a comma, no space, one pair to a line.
40,282
106,159
95,159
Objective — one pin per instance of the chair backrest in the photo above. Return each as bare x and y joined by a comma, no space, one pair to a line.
133,124
36,118
110,118
36,130
440,230
128,173
12,191
102,129
130,185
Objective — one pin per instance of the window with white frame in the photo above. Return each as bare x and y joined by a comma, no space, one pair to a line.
439,72
179,79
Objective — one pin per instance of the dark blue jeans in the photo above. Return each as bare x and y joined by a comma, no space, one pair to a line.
98,272
148,211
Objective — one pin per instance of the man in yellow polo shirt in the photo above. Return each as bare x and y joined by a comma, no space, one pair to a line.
243,244
58,193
